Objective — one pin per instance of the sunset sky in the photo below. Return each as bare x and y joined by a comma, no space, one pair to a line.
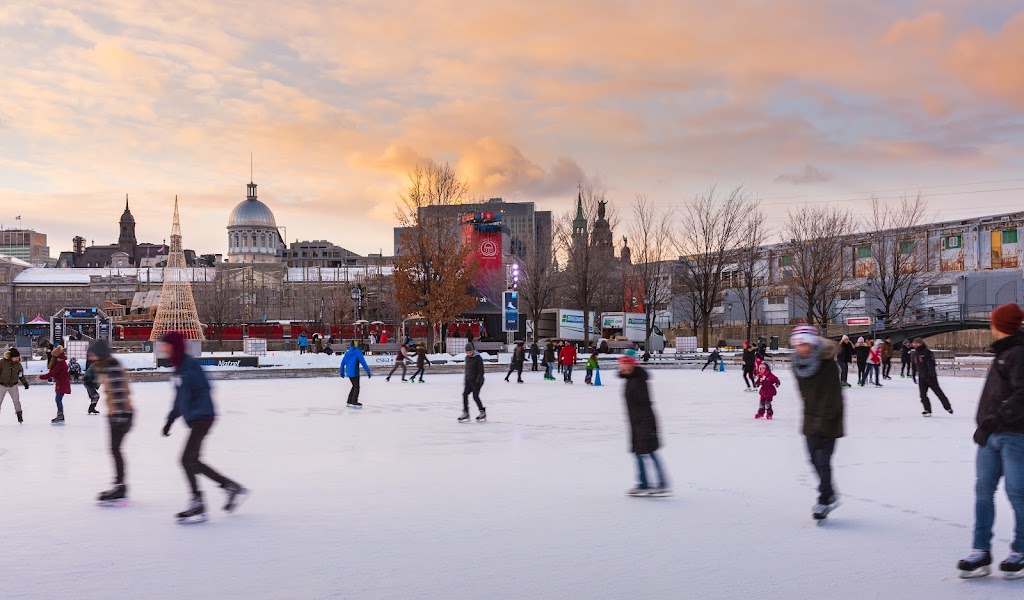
798,100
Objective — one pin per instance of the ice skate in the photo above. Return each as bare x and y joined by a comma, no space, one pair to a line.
821,511
660,492
759,415
464,417
58,420
92,409
949,410
116,496
236,495
975,565
1013,566
20,420
480,418
195,513
926,413
769,416
354,404
638,491
878,385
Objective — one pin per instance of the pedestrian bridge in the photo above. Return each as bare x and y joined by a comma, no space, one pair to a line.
931,322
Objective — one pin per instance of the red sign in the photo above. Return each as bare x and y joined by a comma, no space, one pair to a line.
858,320
633,297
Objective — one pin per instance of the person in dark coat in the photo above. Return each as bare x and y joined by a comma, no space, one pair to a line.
643,426
1000,440
62,382
887,352
549,361
473,382
534,354
861,351
11,374
421,363
846,354
748,366
518,360
906,364
194,404
713,358
817,376
928,377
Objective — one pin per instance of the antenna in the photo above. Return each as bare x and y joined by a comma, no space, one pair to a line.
250,167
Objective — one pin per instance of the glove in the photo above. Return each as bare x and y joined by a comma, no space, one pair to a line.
26,385
167,430
984,430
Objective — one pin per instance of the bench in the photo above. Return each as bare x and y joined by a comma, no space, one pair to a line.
381,348
489,346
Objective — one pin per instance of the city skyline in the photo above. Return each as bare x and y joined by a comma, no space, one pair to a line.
338,101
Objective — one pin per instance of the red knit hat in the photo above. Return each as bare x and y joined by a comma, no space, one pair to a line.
1008,318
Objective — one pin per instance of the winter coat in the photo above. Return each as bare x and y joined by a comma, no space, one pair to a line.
75,369
822,396
351,361
118,395
874,355
421,358
748,358
403,355
592,363
643,425
567,356
534,351
318,344
59,373
715,356
384,337
861,351
1002,398
549,353
886,351
518,356
768,384
192,399
905,349
11,373
474,370
90,378
846,352
924,360
303,341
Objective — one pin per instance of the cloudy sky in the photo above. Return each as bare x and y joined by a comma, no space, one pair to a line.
797,100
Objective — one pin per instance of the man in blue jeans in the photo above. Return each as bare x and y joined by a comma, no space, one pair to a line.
1000,439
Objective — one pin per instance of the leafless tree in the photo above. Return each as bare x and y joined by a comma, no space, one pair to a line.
650,271
539,282
710,232
752,268
816,274
217,301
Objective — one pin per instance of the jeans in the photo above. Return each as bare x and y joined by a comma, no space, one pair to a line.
886,367
471,388
567,372
534,363
862,369
923,386
844,371
59,398
419,372
119,429
190,458
1002,456
590,375
820,450
549,366
353,394
872,368
641,471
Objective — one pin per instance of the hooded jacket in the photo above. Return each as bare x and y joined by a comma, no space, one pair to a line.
924,360
861,352
1002,399
474,370
549,353
59,373
846,351
768,383
11,373
192,399
567,355
643,425
886,351
822,395
351,362
875,354
421,358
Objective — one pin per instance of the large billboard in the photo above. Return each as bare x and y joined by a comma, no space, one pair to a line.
482,234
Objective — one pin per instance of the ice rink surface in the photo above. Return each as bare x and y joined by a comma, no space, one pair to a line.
400,501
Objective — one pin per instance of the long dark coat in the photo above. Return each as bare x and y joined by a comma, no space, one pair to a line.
822,394
643,425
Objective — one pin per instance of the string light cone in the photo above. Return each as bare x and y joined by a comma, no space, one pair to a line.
177,309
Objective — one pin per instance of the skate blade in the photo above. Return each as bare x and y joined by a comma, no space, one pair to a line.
61,424
1013,575
663,494
113,503
191,520
354,407
239,500
977,573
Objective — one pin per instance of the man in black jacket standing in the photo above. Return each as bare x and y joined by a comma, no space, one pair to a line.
534,354
748,366
518,360
928,377
473,382
1000,439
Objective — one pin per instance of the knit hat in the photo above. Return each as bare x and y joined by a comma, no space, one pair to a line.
176,341
802,334
846,338
101,349
470,347
628,357
860,340
13,352
1007,319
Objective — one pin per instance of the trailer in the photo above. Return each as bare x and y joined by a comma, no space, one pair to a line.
631,327
564,324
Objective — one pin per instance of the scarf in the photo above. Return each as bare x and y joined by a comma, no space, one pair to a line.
808,366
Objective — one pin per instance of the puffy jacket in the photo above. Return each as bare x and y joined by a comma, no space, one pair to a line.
861,352
421,358
11,372
303,341
1002,398
567,355
475,370
192,399
592,363
874,355
748,357
519,356
822,395
768,383
59,373
924,360
905,349
643,425
351,361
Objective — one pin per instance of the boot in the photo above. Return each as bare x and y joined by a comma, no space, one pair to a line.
114,496
19,416
482,416
975,565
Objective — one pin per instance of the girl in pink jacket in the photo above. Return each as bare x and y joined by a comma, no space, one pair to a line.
767,382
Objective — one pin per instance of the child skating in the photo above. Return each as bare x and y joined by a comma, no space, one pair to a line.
92,384
119,412
62,383
591,367
643,427
768,383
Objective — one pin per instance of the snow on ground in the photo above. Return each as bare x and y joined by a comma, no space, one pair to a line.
399,501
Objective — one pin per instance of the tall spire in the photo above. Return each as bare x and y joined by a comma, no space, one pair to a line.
579,202
126,202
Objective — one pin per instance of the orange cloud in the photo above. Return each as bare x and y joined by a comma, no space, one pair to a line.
993,63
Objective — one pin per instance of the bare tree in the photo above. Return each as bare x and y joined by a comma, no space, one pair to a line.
752,268
539,282
217,301
651,232
711,231
816,275
897,268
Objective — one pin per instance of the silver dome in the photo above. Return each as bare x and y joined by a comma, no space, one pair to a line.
252,213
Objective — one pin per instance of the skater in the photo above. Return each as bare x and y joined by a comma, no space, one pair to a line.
1000,440
906,365
91,384
861,351
846,354
518,360
769,383
549,361
384,336
11,374
74,370
591,367
887,351
62,384
534,354
567,358
349,367
822,393
643,427
421,363
928,377
748,366
713,359
473,382
303,343
874,363
119,412
194,404
558,357
403,356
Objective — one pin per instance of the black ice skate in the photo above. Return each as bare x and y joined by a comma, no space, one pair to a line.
195,513
465,417
926,413
92,409
20,420
480,418
821,511
1013,566
975,565
236,495
354,404
58,420
116,496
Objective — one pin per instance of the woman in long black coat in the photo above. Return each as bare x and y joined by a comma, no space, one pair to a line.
643,427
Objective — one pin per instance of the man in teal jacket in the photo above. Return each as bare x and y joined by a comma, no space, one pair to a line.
350,368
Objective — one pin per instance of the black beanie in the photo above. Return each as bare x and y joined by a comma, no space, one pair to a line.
13,352
101,349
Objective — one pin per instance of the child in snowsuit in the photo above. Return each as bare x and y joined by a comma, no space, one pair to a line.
768,383
591,367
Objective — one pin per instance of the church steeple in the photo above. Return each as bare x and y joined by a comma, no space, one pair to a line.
579,224
126,241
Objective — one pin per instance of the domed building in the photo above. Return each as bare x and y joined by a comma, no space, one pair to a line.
253,236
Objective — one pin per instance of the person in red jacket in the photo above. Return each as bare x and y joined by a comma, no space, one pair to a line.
767,382
567,358
62,383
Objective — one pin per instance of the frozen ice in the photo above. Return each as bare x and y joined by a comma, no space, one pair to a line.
399,500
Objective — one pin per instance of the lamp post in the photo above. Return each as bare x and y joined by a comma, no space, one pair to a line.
357,300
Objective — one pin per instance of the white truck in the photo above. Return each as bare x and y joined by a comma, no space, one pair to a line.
564,324
631,327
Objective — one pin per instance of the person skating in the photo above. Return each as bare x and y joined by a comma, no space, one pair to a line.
549,361
874,363
928,377
887,351
74,370
472,383
534,354
421,363
817,377
194,404
906,364
768,384
1000,440
119,412
592,366
861,351
846,354
349,367
303,343
518,360
11,374
91,383
713,359
558,357
400,361
62,383
749,378
567,358
643,427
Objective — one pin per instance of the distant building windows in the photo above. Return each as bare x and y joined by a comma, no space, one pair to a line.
940,290
863,252
952,242
1010,236
907,247
785,261
776,300
850,295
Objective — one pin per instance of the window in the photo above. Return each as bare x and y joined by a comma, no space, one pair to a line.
907,247
849,295
1010,236
940,290
952,241
776,299
863,252
785,261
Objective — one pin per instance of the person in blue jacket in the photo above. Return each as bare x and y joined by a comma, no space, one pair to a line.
193,403
303,343
350,368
